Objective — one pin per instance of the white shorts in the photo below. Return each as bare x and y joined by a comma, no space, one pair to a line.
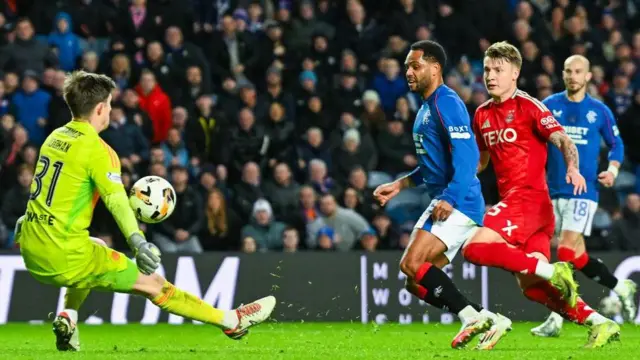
574,215
453,232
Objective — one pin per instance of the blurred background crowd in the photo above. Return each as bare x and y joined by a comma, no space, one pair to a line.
274,119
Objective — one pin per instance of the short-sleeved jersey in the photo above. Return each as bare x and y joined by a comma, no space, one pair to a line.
74,169
587,123
447,153
515,133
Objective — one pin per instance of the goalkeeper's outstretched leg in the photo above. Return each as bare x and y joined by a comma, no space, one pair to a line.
234,323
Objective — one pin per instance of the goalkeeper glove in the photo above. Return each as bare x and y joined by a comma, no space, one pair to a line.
147,254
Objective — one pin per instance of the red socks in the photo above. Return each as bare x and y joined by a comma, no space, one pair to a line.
568,255
501,255
544,293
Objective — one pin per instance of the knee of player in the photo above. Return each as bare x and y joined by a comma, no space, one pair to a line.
409,266
570,240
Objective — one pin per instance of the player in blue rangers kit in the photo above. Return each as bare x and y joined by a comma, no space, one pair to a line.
447,163
586,120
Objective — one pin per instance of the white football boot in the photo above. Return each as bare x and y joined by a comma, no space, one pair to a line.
250,315
550,328
67,333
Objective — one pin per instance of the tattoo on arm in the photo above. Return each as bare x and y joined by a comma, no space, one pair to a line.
569,150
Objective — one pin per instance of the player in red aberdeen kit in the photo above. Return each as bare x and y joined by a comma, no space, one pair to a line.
513,129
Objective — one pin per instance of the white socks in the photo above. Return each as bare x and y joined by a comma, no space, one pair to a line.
596,319
467,313
544,270
621,289
73,315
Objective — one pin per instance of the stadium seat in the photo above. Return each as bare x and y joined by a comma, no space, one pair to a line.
377,178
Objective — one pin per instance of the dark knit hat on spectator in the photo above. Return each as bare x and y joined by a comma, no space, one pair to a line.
241,14
308,75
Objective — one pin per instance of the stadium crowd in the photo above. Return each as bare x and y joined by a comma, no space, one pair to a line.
274,119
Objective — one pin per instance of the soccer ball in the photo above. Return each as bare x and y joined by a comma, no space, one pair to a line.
152,199
610,306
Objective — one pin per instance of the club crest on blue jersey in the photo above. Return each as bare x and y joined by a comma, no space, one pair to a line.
591,116
426,117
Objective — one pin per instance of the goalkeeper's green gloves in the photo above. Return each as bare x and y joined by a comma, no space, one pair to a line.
147,254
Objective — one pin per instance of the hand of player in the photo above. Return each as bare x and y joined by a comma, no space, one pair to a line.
386,192
441,211
606,178
147,254
577,180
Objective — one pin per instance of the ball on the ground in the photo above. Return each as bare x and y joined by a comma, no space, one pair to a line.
152,199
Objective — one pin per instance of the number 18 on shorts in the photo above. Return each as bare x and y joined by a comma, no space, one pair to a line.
574,215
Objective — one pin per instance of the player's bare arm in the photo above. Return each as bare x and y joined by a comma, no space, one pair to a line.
570,152
386,192
608,177
484,161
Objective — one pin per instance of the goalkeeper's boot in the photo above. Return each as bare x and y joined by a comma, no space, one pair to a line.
501,326
550,328
563,280
627,298
602,334
250,315
67,333
470,329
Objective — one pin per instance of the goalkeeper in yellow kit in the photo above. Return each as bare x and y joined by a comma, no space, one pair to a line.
76,168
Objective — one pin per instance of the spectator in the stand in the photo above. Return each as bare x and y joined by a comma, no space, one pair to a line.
388,234
405,115
389,84
373,117
282,139
405,22
158,169
26,52
13,153
282,193
175,150
130,102
4,100
314,147
358,182
249,99
315,115
369,241
207,136
247,142
290,240
626,231
348,225
396,149
347,98
166,75
194,87
126,138
16,199
308,87
620,97
11,83
231,53
348,121
90,62
180,54
179,233
138,24
276,92
320,180
59,113
263,228
30,107
222,229
303,28
351,155
66,43
248,190
358,32
155,102
121,71
629,125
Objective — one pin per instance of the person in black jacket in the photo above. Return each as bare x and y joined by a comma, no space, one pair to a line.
248,190
207,131
282,140
247,143
16,199
179,233
127,139
59,113
396,149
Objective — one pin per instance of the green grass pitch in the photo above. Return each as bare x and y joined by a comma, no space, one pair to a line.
304,341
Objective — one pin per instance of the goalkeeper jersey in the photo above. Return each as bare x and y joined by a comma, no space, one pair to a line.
74,169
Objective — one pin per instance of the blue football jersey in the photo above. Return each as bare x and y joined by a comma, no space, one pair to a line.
587,123
447,153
